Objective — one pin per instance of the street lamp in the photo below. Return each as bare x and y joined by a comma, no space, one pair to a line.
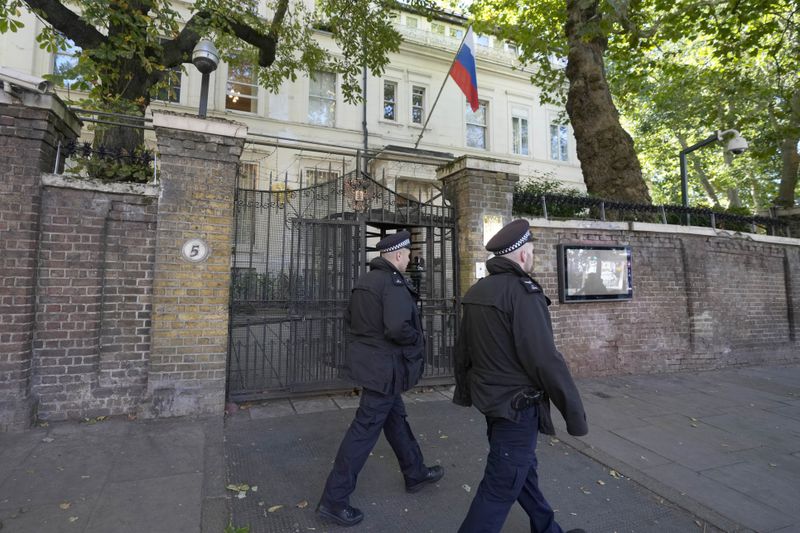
735,145
206,58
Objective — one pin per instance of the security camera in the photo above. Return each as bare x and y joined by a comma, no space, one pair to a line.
205,56
736,144
14,78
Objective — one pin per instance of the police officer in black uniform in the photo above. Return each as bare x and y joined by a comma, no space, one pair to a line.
507,365
385,355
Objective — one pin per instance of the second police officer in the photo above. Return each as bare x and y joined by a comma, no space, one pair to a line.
507,365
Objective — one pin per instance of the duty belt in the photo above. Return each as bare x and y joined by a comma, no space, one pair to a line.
525,399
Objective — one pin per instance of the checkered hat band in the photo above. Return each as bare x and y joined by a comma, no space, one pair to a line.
401,244
522,240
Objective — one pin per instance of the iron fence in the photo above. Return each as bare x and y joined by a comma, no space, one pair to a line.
563,206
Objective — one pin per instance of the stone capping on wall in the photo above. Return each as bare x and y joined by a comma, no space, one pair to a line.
659,228
87,184
211,126
50,102
472,162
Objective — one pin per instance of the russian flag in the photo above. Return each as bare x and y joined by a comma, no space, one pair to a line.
463,70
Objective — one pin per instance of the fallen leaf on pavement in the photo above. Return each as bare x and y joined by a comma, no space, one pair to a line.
64,505
241,487
73,518
303,504
466,487
48,439
601,482
615,474
274,508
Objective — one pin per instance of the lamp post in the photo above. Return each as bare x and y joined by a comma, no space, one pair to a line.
735,145
206,58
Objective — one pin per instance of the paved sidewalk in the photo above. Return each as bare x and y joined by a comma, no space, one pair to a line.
114,476
706,451
666,453
723,444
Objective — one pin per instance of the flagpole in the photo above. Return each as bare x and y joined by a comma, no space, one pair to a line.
441,88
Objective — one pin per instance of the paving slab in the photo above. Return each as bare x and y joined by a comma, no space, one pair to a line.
289,458
271,409
736,505
171,503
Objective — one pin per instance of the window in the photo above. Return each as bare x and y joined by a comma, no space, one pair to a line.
512,48
248,175
417,104
412,22
415,189
322,99
437,28
64,61
482,40
171,89
171,92
476,126
559,142
246,216
389,100
320,175
458,33
241,92
519,131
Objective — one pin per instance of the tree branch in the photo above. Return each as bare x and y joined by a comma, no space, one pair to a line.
67,22
179,50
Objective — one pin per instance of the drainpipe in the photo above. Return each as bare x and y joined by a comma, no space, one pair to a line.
364,122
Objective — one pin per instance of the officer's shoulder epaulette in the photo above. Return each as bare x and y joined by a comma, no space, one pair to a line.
398,279
529,285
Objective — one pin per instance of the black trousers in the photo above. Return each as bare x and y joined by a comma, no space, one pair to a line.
376,412
510,476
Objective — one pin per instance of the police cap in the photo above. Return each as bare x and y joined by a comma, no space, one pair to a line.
394,242
510,237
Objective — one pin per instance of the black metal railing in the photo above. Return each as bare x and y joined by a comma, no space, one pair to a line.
107,164
565,206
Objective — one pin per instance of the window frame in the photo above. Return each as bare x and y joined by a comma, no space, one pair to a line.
485,125
517,148
233,97
422,106
323,98
176,71
561,136
73,51
394,102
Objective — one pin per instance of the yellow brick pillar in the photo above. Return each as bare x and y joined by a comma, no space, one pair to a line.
198,163
482,191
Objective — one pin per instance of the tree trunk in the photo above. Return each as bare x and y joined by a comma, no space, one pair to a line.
733,197
789,169
608,160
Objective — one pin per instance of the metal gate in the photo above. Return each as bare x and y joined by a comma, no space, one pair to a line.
299,248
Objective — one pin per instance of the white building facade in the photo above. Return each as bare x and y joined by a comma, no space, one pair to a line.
510,124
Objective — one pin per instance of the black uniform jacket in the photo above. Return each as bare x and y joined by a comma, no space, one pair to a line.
386,344
506,345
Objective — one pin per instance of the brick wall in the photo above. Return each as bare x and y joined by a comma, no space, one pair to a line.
700,301
30,128
91,342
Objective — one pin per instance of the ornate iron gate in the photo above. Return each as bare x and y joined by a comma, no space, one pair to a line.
298,252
